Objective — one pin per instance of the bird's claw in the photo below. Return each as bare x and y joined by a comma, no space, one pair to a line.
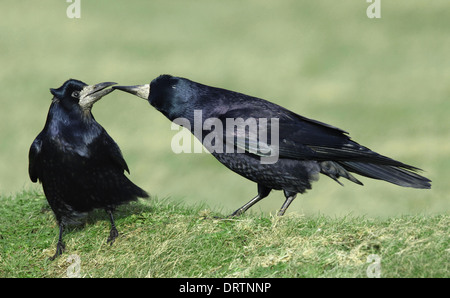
60,247
113,234
236,213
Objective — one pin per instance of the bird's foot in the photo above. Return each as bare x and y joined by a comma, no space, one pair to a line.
236,213
113,234
60,247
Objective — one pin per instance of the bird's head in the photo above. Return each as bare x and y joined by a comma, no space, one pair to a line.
77,94
169,95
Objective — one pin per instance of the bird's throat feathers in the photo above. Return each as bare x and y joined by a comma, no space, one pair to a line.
72,127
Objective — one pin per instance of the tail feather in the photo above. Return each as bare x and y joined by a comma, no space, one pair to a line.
403,176
137,191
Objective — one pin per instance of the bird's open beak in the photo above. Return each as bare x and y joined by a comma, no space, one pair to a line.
143,91
92,93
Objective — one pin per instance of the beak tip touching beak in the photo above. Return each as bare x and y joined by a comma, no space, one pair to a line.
142,91
92,93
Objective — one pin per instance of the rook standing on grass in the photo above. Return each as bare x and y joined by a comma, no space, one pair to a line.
79,165
307,147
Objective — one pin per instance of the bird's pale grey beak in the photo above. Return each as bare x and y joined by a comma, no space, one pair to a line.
92,93
143,91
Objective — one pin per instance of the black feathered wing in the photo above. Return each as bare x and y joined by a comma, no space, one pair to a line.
306,139
127,189
292,135
113,151
33,158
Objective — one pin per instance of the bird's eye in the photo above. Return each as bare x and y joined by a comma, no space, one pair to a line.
76,94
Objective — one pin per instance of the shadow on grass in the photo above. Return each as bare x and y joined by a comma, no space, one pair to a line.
92,217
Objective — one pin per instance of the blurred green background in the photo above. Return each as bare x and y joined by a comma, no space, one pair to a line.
386,81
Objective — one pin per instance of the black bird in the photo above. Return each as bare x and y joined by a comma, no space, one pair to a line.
80,166
302,149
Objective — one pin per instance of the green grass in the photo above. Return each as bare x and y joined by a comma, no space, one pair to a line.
159,238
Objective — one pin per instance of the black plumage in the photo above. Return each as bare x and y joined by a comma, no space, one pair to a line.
306,147
80,166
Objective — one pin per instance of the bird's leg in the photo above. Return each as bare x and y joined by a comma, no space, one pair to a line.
289,199
113,233
262,193
60,247
246,206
